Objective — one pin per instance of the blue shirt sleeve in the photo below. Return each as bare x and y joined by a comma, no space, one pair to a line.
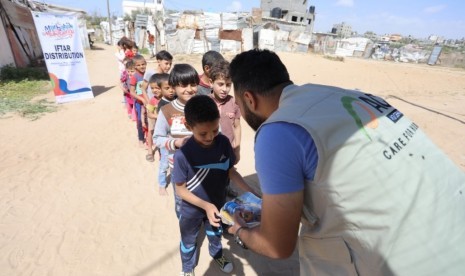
180,170
285,156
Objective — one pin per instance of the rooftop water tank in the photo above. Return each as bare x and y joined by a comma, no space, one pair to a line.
276,12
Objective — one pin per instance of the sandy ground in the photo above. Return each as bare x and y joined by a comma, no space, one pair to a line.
79,198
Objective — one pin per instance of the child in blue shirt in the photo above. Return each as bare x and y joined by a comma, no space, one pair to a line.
203,166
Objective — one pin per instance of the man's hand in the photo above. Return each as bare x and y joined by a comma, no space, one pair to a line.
238,222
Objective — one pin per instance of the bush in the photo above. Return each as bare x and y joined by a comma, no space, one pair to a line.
10,73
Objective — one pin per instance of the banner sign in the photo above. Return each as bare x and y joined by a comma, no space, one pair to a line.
64,56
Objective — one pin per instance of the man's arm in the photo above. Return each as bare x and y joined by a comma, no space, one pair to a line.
283,172
276,236
239,181
237,139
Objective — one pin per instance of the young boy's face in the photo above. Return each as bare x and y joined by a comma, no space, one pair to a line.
221,88
164,65
156,90
140,66
131,71
185,92
134,50
167,91
205,133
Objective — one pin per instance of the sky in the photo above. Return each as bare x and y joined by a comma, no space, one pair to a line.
419,18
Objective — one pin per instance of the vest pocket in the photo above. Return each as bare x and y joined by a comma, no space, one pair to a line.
327,256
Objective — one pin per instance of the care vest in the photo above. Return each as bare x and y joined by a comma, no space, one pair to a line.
385,200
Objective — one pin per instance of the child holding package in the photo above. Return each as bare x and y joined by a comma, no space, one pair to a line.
170,131
203,167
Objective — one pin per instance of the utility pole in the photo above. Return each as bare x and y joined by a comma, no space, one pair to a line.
109,22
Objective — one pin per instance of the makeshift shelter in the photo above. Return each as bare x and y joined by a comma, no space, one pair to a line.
21,46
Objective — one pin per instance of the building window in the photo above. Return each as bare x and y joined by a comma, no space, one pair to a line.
309,21
294,19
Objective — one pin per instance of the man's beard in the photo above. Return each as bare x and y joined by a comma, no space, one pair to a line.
253,120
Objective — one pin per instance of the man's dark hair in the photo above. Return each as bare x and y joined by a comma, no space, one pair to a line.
164,55
210,57
183,74
159,78
257,71
220,70
200,109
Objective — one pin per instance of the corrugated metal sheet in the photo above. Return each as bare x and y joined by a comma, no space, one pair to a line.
180,42
231,35
21,33
229,21
19,16
191,21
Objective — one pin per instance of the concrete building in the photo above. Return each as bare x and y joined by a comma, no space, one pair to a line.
292,11
153,6
342,30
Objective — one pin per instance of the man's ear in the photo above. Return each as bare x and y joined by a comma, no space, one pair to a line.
250,100
211,82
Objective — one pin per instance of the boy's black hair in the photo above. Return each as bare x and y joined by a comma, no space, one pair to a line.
164,55
137,58
159,78
130,64
257,71
200,109
220,70
210,57
183,74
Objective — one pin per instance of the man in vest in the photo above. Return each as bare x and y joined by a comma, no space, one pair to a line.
373,194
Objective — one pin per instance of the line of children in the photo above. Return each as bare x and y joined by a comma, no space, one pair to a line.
161,112
164,61
203,167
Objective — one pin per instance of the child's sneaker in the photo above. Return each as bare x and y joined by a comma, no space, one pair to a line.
191,273
225,265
